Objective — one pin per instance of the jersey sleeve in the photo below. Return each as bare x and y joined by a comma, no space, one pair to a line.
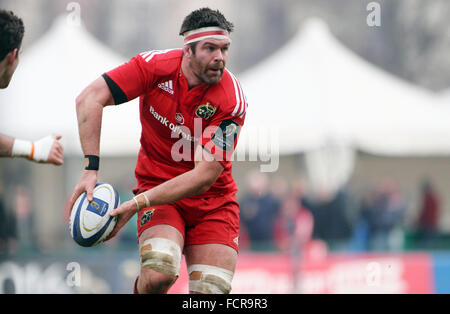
131,79
222,134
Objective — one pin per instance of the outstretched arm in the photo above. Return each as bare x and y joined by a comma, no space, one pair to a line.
46,150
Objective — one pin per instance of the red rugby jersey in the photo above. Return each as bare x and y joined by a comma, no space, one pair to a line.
175,118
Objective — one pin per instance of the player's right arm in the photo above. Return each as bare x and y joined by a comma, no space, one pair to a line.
89,107
122,84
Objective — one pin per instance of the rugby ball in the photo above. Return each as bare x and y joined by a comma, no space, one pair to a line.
90,222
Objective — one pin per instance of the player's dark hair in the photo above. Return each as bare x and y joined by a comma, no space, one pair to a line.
11,32
204,17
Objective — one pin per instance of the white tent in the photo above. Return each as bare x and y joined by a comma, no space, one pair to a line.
41,97
315,96
314,91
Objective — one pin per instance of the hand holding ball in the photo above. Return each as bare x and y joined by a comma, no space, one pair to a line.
90,222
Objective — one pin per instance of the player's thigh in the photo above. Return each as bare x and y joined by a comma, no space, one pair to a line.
214,254
162,231
210,267
160,250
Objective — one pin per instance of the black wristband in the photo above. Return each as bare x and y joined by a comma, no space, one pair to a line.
91,162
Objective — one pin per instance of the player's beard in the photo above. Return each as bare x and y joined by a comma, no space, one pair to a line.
208,74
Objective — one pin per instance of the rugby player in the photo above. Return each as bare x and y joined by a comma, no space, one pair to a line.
191,111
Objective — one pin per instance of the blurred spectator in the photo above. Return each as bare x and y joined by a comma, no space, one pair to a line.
429,214
384,211
331,219
361,231
293,226
8,232
24,216
280,187
258,210
300,191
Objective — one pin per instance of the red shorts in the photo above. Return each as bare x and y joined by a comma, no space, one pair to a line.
200,221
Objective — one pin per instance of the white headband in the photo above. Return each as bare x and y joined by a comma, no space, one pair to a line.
205,32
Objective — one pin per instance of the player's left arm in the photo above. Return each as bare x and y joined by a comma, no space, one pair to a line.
212,156
190,183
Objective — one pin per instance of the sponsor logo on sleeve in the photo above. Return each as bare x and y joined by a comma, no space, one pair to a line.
226,135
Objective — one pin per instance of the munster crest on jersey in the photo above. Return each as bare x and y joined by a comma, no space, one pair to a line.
146,216
205,111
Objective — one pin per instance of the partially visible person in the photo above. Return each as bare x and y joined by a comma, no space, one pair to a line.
11,35
385,214
47,149
427,224
259,208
